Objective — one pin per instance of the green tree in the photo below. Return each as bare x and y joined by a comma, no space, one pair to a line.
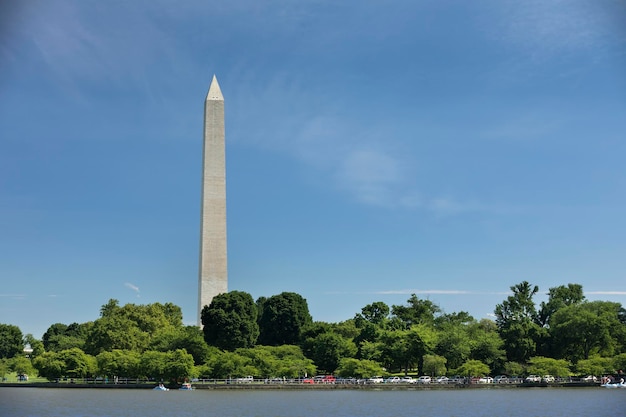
327,349
486,344
595,365
167,366
375,313
11,341
49,365
278,361
434,365
283,318
358,368
416,312
559,297
516,318
230,321
119,363
579,330
540,365
230,365
473,367
454,344
189,338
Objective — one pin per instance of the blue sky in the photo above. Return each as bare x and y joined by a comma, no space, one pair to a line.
375,149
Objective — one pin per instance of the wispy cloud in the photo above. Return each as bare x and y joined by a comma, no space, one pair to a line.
605,292
132,287
427,292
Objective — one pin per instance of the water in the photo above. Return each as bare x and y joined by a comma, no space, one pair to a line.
539,402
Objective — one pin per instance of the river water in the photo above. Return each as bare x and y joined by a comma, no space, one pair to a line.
522,402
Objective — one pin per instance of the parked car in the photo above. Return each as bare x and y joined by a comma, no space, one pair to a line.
457,379
424,379
485,380
548,378
533,378
407,380
441,379
376,380
501,379
392,380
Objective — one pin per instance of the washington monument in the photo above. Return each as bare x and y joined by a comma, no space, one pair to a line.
213,279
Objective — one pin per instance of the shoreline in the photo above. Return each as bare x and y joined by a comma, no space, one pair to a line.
408,387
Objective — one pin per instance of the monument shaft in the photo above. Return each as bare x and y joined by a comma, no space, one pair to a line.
213,279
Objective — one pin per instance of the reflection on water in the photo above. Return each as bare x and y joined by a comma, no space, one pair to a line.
522,402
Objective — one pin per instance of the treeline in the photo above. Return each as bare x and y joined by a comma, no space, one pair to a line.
276,337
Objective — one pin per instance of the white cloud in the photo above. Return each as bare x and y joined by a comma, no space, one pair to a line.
132,287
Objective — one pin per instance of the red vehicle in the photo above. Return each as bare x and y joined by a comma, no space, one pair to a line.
325,379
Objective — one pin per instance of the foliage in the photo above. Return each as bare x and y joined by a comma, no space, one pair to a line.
189,338
540,365
559,297
434,365
278,361
580,330
283,318
595,366
71,363
516,318
230,321
416,312
119,363
11,341
513,368
172,366
358,368
473,368
20,365
327,349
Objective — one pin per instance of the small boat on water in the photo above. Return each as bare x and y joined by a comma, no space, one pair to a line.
186,387
160,387
619,384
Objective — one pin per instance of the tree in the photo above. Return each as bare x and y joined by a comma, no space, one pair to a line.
473,368
167,366
73,363
283,318
327,349
559,297
416,312
540,365
579,330
230,321
434,365
284,361
189,338
516,319
375,313
358,368
60,337
119,363
596,365
11,341
486,344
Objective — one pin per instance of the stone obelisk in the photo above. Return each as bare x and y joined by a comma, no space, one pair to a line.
213,279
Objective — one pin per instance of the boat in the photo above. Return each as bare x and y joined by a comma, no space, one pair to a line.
160,387
619,384
186,387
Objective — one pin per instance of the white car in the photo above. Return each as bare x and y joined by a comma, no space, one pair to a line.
442,380
376,380
407,380
393,380
485,380
548,378
533,378
425,379
501,379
